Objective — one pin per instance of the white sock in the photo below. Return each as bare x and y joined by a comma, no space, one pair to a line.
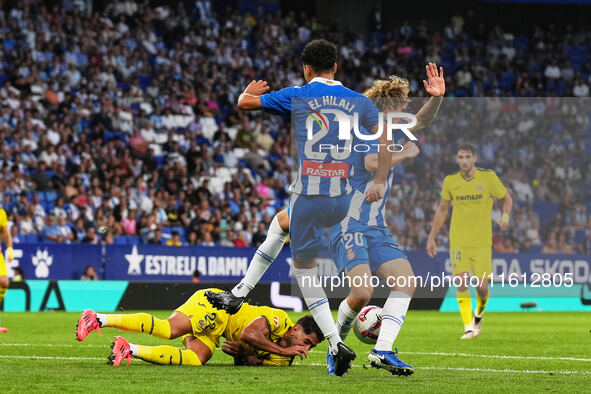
393,315
102,319
262,259
133,349
345,319
317,303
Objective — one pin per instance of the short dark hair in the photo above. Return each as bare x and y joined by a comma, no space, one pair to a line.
468,146
310,326
321,55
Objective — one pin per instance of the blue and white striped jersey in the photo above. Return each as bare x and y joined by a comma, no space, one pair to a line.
371,214
321,112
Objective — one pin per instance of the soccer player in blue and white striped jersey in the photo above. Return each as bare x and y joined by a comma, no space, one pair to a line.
361,244
319,112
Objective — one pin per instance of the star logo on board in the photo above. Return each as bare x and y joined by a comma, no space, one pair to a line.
135,260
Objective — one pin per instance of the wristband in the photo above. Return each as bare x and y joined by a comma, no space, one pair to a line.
251,95
10,253
505,218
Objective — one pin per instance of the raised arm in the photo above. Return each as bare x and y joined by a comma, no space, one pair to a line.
435,86
250,99
438,221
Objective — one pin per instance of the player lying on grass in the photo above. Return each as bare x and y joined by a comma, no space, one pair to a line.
371,248
256,335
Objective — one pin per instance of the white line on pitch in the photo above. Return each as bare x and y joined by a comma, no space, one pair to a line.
49,345
506,370
419,368
488,356
498,356
526,371
53,357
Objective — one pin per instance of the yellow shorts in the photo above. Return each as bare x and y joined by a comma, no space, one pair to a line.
3,270
476,260
208,322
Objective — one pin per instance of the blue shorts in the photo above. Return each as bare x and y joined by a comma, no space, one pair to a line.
308,217
353,243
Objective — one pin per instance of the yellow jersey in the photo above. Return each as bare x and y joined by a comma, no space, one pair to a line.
471,223
210,324
278,321
3,221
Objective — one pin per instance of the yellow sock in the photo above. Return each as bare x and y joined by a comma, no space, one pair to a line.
2,293
166,355
480,304
465,303
140,322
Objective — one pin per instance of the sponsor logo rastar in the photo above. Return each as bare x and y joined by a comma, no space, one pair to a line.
394,121
326,170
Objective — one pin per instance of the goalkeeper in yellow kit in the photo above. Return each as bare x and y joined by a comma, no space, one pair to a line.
256,335
472,191
5,235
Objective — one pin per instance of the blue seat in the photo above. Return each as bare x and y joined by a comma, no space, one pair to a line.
120,240
133,240
30,238
50,196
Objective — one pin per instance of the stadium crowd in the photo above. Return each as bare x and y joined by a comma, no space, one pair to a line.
119,125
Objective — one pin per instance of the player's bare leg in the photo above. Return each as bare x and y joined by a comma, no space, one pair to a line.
4,283
481,300
264,256
315,298
175,326
465,305
399,275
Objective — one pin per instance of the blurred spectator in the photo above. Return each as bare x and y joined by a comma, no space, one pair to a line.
196,276
175,239
19,275
90,237
89,273
51,231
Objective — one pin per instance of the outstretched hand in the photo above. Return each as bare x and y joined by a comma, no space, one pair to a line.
257,88
436,83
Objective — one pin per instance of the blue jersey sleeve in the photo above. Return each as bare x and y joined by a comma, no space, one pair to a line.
370,115
279,102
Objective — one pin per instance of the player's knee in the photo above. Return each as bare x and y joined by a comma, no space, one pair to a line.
4,282
360,297
483,289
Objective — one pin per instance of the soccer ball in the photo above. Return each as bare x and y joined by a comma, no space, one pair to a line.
367,324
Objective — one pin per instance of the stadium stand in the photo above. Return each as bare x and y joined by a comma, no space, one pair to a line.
109,121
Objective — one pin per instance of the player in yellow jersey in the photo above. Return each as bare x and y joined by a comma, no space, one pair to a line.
256,335
5,233
472,191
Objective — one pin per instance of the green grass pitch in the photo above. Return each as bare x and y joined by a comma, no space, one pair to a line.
532,351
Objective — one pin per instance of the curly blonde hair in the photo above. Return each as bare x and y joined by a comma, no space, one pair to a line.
394,88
